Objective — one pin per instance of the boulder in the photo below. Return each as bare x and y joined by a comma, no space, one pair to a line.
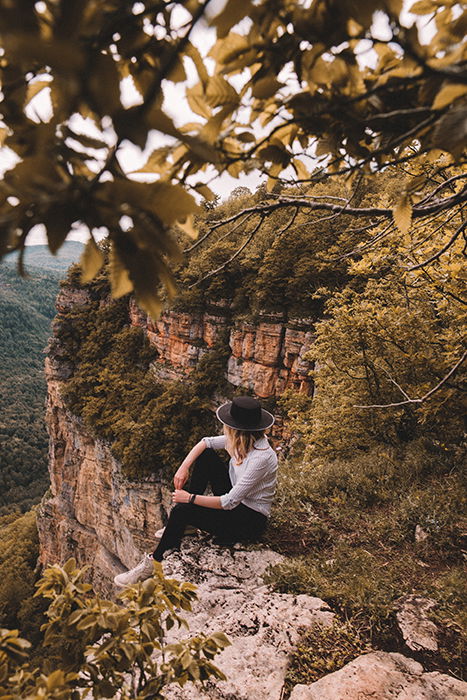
418,631
382,676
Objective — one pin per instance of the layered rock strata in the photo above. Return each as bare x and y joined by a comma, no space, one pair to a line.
266,356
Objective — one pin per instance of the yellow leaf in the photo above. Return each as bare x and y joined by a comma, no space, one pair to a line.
157,161
197,102
177,74
220,92
325,146
91,261
424,7
188,226
192,52
3,135
150,303
451,131
172,202
233,12
120,282
205,191
300,169
449,93
225,50
402,214
157,119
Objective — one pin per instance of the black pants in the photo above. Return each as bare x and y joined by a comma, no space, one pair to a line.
239,524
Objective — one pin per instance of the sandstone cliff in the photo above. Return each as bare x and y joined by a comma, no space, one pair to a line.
91,511
267,355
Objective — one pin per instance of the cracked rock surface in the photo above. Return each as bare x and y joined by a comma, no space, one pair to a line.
262,625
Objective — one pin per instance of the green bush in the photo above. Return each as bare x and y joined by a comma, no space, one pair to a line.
19,549
113,389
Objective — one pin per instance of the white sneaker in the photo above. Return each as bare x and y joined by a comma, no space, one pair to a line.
189,530
141,571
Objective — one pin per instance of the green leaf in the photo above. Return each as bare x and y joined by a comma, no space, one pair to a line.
91,261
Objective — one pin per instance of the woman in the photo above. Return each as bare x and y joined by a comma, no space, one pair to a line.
243,490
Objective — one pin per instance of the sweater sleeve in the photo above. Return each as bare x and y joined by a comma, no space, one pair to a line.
216,443
256,470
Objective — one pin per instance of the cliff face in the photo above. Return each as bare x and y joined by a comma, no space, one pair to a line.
266,356
92,512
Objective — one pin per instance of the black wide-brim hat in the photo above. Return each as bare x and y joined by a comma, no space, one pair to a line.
244,413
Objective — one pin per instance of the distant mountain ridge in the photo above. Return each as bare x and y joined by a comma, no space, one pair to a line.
40,256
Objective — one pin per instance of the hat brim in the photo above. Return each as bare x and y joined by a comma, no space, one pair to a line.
223,414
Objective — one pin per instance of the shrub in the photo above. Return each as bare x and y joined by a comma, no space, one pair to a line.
323,650
107,647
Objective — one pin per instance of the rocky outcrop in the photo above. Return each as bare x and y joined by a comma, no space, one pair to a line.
263,626
92,511
267,356
382,676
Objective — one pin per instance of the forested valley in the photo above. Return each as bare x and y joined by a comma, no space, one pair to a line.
27,307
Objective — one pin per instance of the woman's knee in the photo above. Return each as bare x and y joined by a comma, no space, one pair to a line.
180,511
206,457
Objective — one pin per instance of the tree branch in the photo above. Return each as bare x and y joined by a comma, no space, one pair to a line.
423,398
227,262
437,255
304,203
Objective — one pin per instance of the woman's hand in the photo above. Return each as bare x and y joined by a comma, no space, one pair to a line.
180,496
181,476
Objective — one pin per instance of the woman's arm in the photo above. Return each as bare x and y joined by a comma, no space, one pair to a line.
181,475
180,496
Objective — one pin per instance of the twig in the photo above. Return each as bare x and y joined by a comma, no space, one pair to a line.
423,398
211,230
227,262
440,252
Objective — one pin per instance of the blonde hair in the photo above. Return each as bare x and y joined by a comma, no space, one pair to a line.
241,441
